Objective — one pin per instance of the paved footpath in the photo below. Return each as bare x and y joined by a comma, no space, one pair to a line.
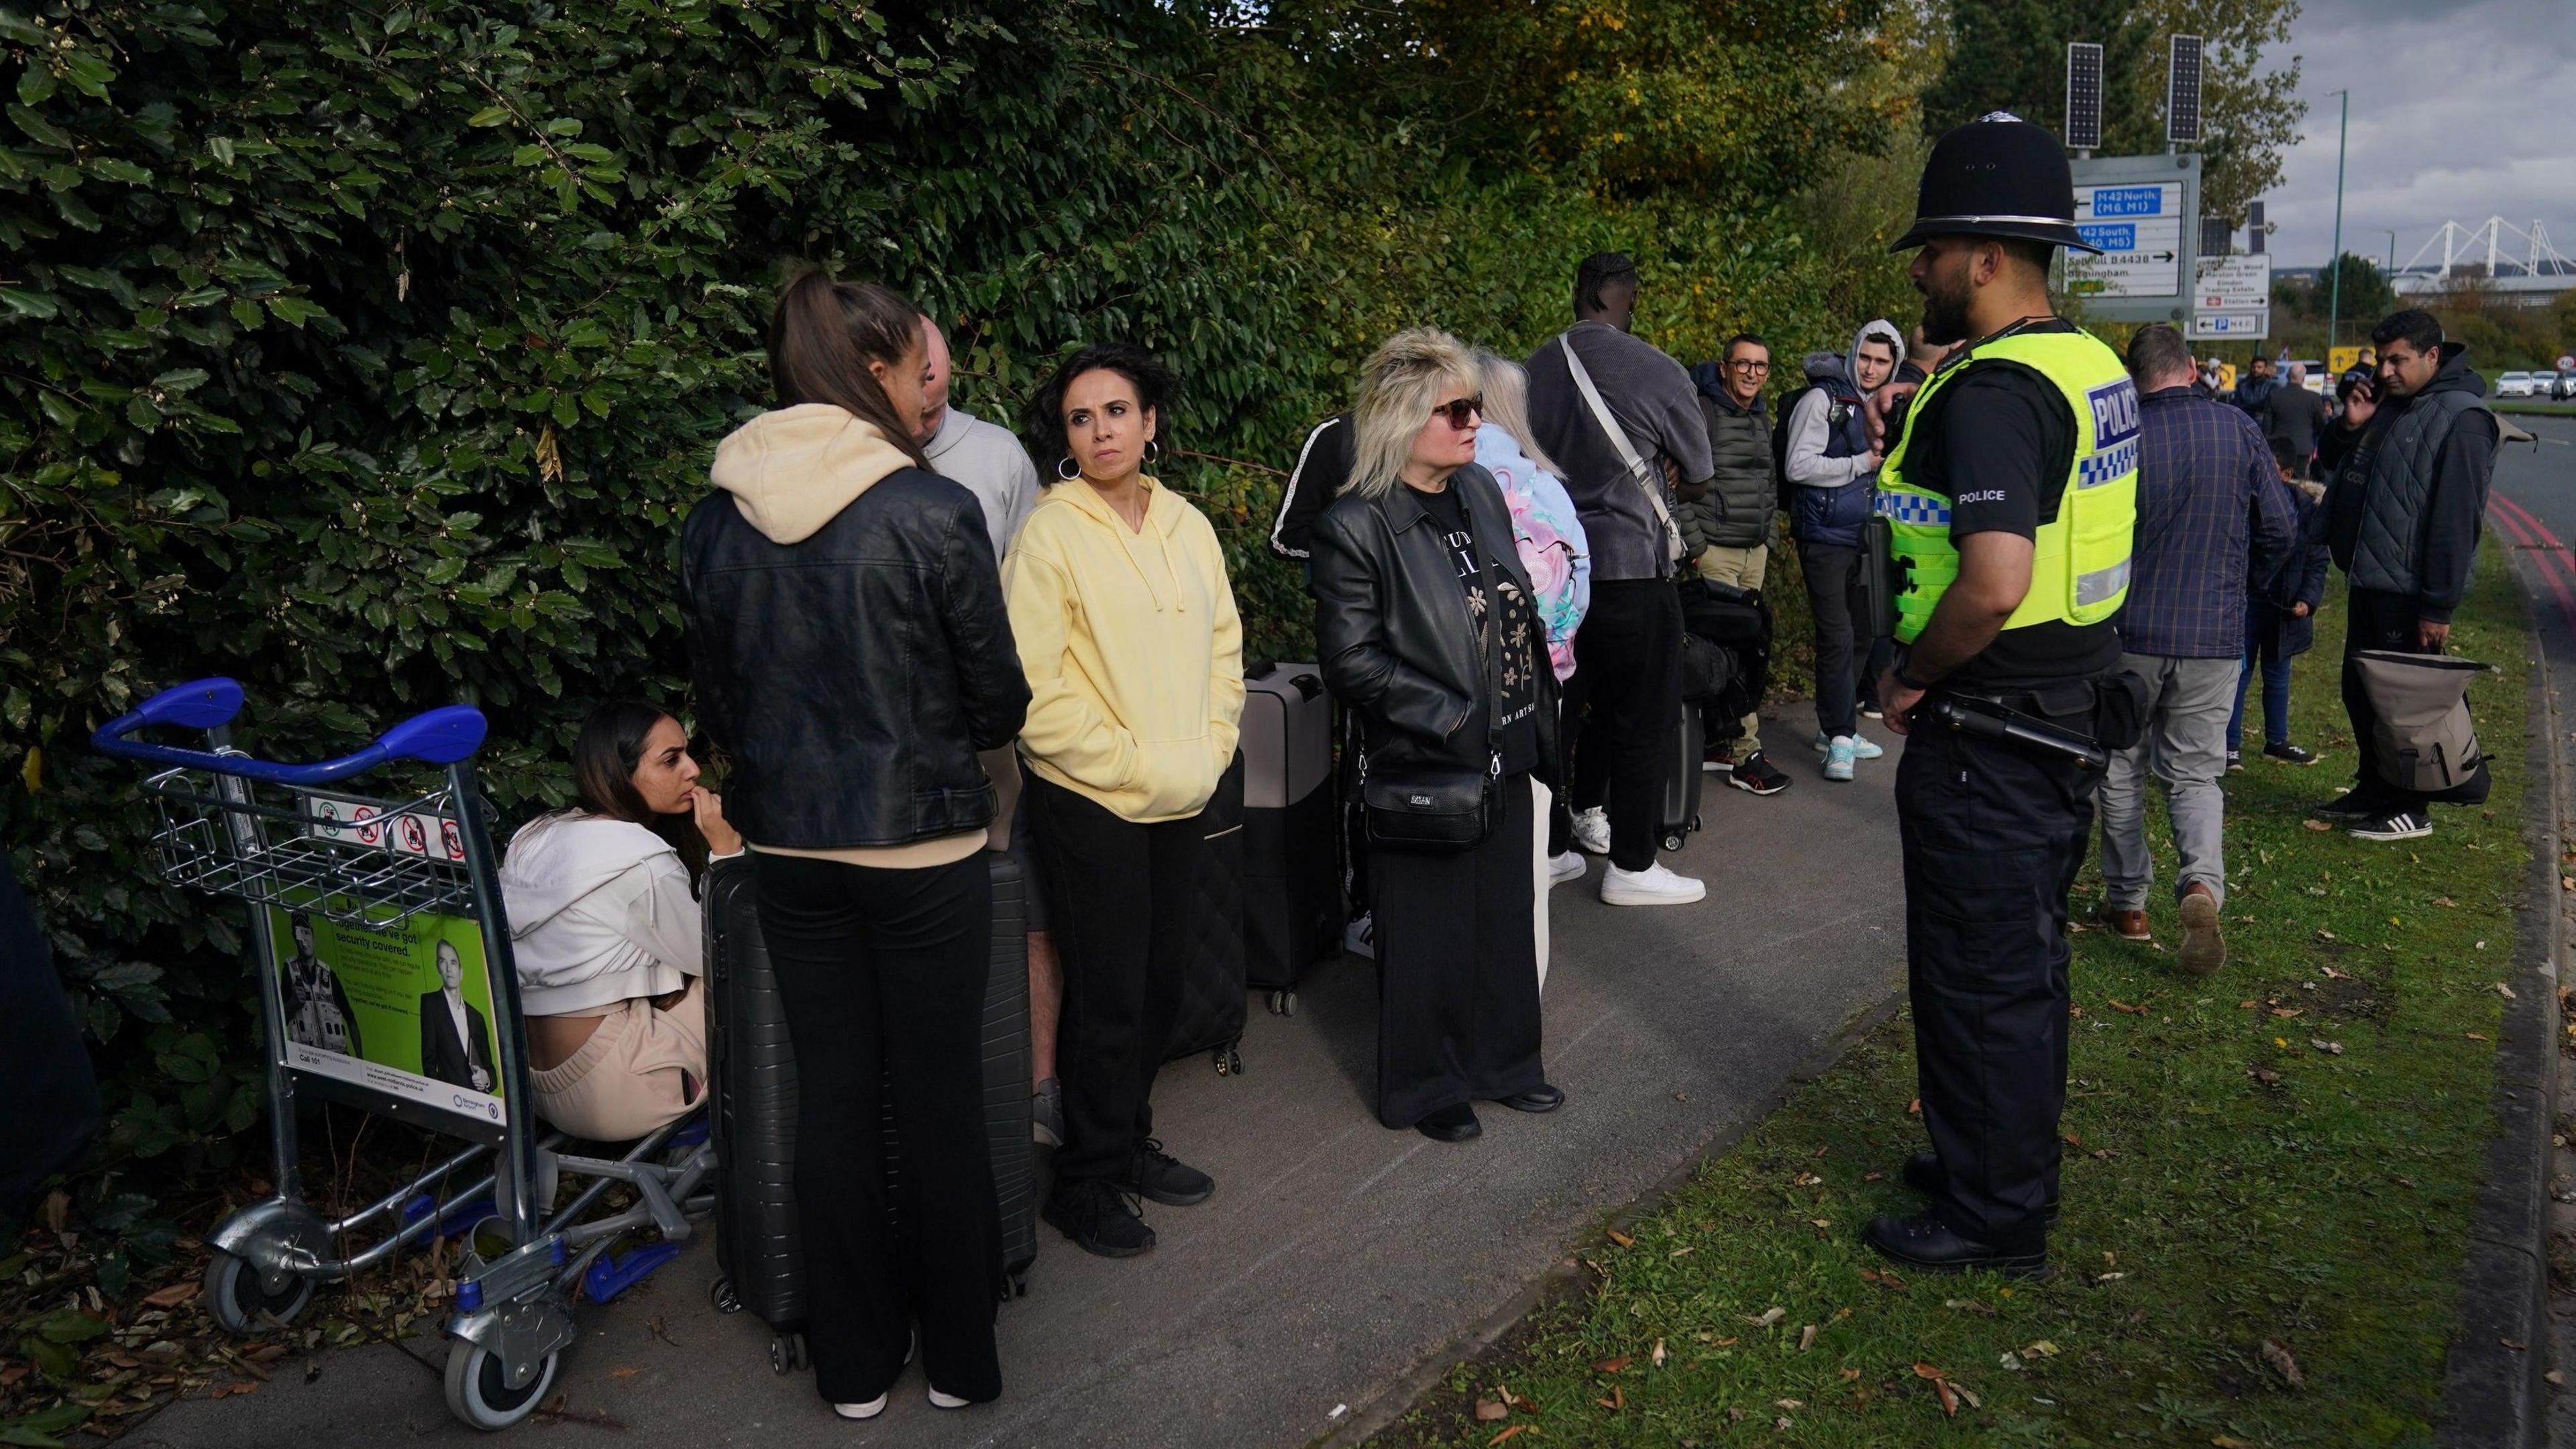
1336,1256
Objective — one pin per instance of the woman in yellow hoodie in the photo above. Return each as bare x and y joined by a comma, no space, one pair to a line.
1134,655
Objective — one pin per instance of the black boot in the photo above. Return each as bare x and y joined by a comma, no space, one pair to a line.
1923,1174
1924,1241
1098,1218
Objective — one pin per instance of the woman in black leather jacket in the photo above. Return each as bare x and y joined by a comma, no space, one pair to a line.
1424,619
845,622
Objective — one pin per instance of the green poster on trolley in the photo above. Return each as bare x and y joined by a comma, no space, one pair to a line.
405,1010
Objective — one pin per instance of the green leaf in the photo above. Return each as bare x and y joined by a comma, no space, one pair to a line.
221,148
70,1325
38,129
246,312
294,311
35,84
28,304
111,169
490,116
181,379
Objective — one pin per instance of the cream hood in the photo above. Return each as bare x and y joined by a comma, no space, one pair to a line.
793,470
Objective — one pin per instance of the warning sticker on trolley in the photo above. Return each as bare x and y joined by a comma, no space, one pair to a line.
354,821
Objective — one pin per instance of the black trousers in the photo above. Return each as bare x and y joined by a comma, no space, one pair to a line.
1457,962
1122,897
1846,655
883,973
1992,839
2377,620
1628,673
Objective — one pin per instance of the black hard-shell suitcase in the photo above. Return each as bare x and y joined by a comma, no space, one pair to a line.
1682,777
1210,1016
752,1107
1292,907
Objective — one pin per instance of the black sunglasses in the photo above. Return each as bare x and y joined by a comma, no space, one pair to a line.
1461,413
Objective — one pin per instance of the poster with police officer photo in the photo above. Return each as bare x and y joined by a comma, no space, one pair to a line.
406,1010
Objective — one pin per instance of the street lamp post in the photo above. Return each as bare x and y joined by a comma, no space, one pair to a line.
2334,305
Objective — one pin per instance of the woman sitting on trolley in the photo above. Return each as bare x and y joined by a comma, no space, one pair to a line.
604,923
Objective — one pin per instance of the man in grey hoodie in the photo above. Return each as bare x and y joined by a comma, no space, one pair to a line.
1829,456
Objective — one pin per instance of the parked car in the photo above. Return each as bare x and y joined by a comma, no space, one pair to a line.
2563,386
2515,384
2319,380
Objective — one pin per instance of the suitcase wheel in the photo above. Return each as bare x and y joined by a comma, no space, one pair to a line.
1673,841
1227,1059
1283,1002
787,1354
720,1296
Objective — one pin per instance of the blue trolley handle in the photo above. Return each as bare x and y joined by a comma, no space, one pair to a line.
443,736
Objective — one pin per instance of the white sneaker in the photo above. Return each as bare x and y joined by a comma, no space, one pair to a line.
868,1410
1592,830
1566,867
939,1400
1862,749
1653,886
1360,937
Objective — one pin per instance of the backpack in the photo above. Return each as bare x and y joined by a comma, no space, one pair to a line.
1835,416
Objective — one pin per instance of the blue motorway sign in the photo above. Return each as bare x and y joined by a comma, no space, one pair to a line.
2111,236
2128,201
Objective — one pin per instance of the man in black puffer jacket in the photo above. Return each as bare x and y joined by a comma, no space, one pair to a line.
1727,530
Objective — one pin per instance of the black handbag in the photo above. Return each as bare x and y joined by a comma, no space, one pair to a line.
1442,809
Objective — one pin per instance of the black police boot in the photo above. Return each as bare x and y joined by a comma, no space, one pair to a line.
1923,1174
1541,1098
1451,1124
1924,1241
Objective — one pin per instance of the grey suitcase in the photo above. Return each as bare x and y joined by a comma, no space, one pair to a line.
1682,779
1292,906
752,1106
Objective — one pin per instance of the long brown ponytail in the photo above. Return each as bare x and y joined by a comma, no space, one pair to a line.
822,338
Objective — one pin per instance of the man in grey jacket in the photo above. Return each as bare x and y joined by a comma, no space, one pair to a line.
1628,652
1727,530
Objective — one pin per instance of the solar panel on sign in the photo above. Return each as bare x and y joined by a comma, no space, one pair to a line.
2182,92
2083,95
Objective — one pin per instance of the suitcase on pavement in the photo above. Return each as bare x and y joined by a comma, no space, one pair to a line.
1292,907
1210,1016
1682,778
752,1107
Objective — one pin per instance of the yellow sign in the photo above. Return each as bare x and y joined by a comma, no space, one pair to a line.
2340,360
2227,377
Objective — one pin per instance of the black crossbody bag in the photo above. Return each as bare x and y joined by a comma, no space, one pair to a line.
1441,809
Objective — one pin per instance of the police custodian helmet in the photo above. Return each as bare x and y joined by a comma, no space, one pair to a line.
1998,175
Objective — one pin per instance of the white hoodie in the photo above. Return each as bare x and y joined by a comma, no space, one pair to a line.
600,912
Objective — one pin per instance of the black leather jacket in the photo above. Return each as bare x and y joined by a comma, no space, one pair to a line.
1392,627
851,677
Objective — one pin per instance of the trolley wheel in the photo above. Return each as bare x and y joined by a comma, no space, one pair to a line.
721,1297
1227,1059
787,1354
479,1393
242,1305
1673,841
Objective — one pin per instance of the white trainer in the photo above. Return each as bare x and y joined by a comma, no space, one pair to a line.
1566,867
868,1410
1592,830
1360,937
1653,886
939,1400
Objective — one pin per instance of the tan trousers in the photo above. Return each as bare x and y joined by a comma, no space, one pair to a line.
627,1079
1744,568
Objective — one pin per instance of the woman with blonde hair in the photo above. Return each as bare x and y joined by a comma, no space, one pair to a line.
1428,630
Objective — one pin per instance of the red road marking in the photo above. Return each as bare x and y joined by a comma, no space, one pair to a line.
2544,546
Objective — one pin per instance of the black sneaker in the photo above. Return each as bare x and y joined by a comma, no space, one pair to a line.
1098,1218
1758,776
2290,754
2395,825
2354,804
2235,761
1156,1174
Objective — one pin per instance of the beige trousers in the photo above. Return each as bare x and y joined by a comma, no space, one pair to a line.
628,1078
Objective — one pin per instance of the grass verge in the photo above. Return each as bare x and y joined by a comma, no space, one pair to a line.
2269,1177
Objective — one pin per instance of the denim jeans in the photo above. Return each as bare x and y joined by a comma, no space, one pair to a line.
2263,650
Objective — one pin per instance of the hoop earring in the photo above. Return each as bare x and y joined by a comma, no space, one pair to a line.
1067,462
1153,451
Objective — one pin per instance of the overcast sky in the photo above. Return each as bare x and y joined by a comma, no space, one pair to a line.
2459,108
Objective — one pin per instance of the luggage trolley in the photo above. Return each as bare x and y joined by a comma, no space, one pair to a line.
403,885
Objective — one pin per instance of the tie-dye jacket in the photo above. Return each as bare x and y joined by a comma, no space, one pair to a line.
1549,537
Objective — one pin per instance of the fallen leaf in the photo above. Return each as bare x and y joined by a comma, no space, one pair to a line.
1487,1411
1504,1393
1658,1354
1803,1179
2324,935
1782,1424
1613,1365
1806,1338
2506,992
1678,1252
2333,1048
2072,1140
1510,1433
1914,1108
1622,1239
1729,1341
1872,1176
1970,1305
2247,1005
2040,1349
1768,1317
2277,1354
2286,1012
1792,1405
2477,1036
171,1297
624,1373
2316,825
1850,1374
2334,975
2229,1441
2280,1041
2267,1076
2444,901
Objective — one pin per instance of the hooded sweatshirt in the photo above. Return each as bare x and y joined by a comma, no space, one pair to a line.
1827,459
1133,650
790,472
600,912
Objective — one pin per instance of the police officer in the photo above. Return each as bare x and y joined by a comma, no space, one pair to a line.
2011,500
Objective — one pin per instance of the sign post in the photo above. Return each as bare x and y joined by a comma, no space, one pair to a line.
2232,298
2143,211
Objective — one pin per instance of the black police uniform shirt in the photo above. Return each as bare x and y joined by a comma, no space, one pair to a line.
2000,444
1518,686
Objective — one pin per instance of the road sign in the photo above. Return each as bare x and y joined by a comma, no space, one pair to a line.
2566,363
2232,326
2340,360
2144,213
2233,283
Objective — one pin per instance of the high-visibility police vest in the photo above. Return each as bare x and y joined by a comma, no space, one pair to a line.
2079,571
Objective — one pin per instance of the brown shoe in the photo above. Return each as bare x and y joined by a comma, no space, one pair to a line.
2127,925
2204,950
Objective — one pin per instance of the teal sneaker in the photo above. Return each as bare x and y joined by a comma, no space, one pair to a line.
1839,757
1862,749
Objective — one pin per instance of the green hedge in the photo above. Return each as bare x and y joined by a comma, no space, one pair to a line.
371,354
